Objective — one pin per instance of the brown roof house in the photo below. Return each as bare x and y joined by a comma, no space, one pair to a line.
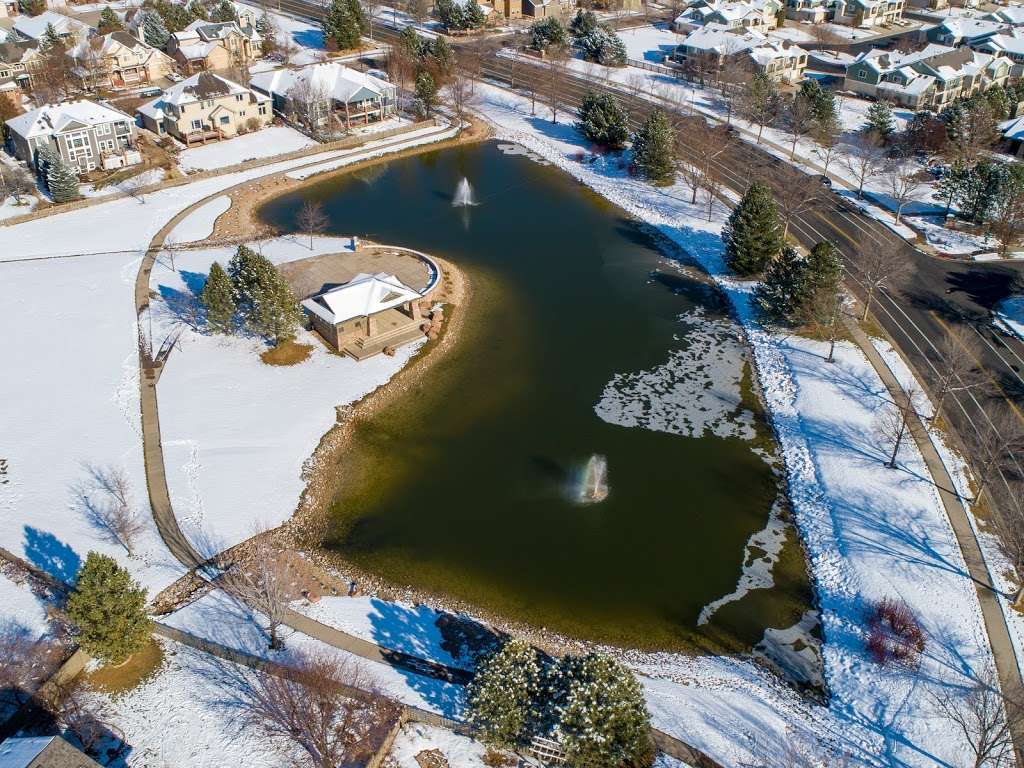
206,107
43,752
204,45
119,60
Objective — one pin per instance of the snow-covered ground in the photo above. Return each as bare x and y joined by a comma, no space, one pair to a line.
23,612
1009,314
870,532
271,141
9,207
304,38
650,43
199,224
235,455
147,177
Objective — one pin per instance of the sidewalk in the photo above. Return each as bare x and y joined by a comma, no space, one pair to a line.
995,622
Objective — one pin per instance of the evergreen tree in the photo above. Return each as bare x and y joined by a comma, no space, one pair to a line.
879,120
108,608
44,159
412,43
225,11
109,21
823,104
443,55
824,270
779,294
654,149
602,718
603,121
503,696
450,14
274,310
602,46
154,31
547,32
248,270
583,23
358,16
61,180
341,27
218,297
761,101
998,101
176,17
267,31
198,11
473,15
753,234
50,38
32,7
425,94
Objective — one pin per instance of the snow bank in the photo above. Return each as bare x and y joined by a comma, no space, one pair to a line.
199,224
1009,315
22,611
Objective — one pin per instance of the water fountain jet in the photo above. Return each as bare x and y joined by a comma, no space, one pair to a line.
593,487
463,194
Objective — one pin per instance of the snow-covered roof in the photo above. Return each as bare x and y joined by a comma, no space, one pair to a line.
201,87
110,44
971,29
207,31
197,50
1013,129
33,27
363,295
1004,43
1013,14
725,41
332,79
54,118
19,753
485,8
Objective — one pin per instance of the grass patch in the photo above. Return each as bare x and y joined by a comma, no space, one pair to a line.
139,667
871,328
287,353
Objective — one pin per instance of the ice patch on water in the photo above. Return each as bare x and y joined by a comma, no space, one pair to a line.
519,149
695,392
794,651
760,555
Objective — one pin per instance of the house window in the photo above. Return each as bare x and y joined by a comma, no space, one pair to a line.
263,110
862,74
107,145
75,154
225,119
238,97
103,130
197,124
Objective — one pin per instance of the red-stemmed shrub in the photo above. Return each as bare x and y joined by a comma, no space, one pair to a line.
894,633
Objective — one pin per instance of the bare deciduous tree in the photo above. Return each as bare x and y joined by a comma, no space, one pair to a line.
799,120
106,501
904,179
459,91
795,192
309,106
261,581
996,447
956,369
878,266
323,704
893,423
553,84
985,718
863,158
312,219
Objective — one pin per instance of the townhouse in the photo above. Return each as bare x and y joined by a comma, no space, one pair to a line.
118,60
927,79
713,46
963,30
867,13
205,45
756,15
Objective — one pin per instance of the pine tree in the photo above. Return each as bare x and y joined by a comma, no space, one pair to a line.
753,234
583,23
274,309
175,16
340,26
44,159
109,21
154,31
503,696
358,17
654,149
198,11
998,101
225,11
108,607
603,121
49,39
443,55
784,286
248,270
61,181
426,94
473,16
602,46
824,269
547,32
879,120
218,298
602,718
450,14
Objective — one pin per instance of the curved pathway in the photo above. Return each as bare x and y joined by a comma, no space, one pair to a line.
187,555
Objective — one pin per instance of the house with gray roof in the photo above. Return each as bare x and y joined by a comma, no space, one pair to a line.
43,752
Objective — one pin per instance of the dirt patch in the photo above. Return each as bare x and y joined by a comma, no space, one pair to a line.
287,353
139,667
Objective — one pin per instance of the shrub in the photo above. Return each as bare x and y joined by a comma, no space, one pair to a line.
894,633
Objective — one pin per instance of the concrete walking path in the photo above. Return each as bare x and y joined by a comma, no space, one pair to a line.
996,628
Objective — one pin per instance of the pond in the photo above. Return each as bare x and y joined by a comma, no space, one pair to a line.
582,338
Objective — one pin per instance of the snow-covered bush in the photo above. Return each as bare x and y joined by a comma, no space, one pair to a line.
602,46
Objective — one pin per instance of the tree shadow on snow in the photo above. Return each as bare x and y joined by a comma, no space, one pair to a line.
50,554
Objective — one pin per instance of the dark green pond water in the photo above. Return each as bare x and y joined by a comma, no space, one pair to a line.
573,345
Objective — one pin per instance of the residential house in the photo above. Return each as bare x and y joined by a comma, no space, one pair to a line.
18,62
962,30
757,15
43,752
1011,14
9,8
118,60
205,45
813,11
928,5
324,93
366,315
87,135
206,107
68,29
709,49
867,13
927,79
1010,45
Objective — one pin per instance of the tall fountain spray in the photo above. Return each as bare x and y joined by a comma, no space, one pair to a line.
593,485
463,194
